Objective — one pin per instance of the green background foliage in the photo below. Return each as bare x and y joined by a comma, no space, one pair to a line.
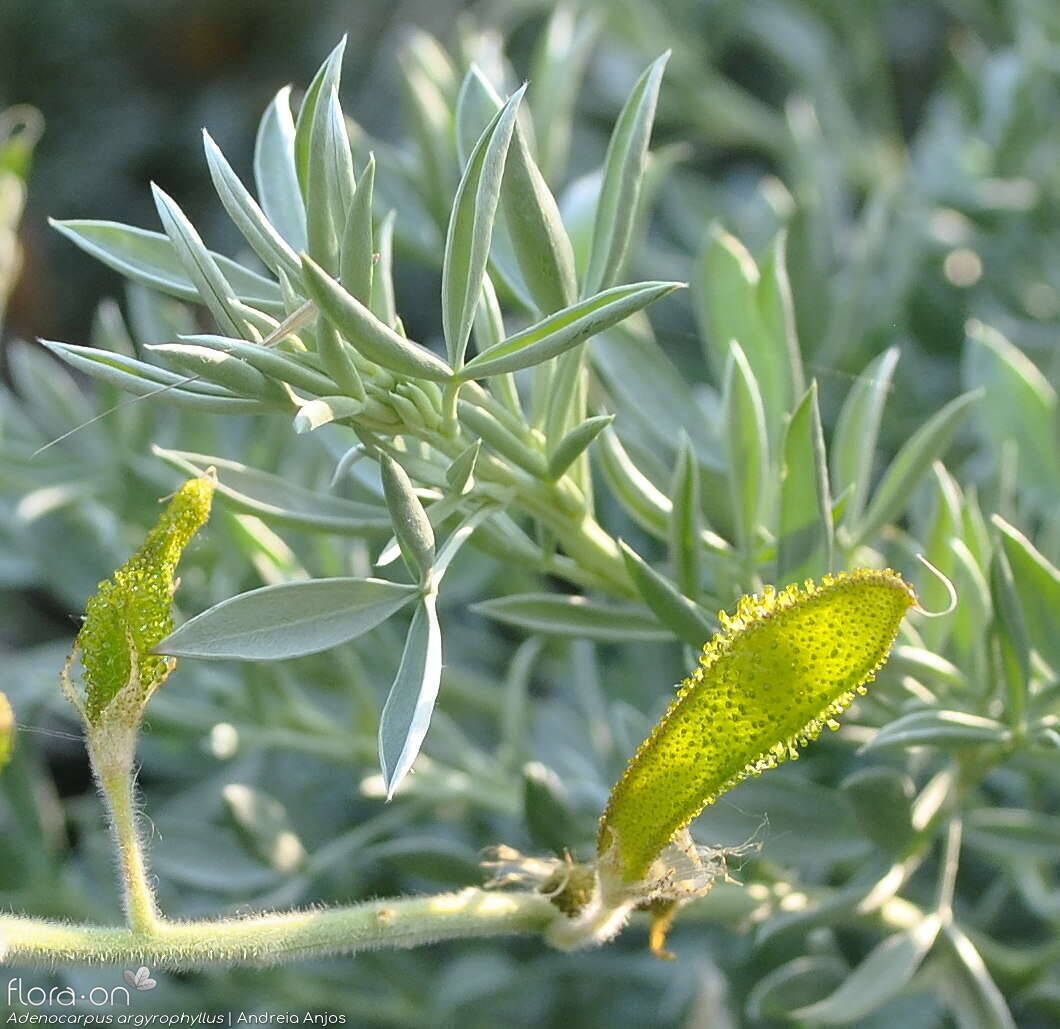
863,199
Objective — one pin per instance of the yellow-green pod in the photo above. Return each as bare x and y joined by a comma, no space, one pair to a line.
768,683
132,611
7,730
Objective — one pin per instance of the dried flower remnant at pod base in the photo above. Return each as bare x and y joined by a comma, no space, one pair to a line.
780,671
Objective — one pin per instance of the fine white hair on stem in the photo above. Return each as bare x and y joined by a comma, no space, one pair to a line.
951,591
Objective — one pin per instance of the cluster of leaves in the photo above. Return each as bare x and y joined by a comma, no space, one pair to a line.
910,880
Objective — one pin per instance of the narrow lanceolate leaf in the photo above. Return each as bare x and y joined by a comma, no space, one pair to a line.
575,443
272,363
275,174
1023,406
686,619
376,340
730,294
133,610
926,445
881,976
279,501
467,243
213,366
151,259
145,380
804,543
934,728
289,620
407,713
686,521
460,475
326,79
856,433
1011,637
567,328
357,254
248,216
555,615
971,994
325,410
412,527
382,302
540,241
7,730
616,209
213,288
1037,583
331,182
780,671
747,444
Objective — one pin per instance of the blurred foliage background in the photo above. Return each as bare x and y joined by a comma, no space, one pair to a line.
911,152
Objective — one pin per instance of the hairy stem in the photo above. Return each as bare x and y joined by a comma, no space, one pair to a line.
141,910
270,939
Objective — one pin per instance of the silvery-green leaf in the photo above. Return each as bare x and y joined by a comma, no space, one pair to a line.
881,976
565,329
213,365
461,473
883,802
467,243
804,539
556,76
933,728
1037,582
795,985
150,258
1011,637
777,309
275,174
857,431
616,209
539,239
558,615
289,620
382,302
1008,832
407,713
411,524
271,362
150,381
331,181
324,410
686,619
213,289
686,520
247,216
376,340
326,79
280,502
971,994
748,446
357,254
498,437
1022,407
912,461
575,443
728,304
457,538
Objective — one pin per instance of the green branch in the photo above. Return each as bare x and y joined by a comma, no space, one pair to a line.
270,939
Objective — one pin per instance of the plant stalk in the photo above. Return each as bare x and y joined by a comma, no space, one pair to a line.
270,939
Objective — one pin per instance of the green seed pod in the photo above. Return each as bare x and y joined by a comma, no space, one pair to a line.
132,612
768,683
7,730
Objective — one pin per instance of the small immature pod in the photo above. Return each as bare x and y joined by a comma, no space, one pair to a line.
768,683
133,610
